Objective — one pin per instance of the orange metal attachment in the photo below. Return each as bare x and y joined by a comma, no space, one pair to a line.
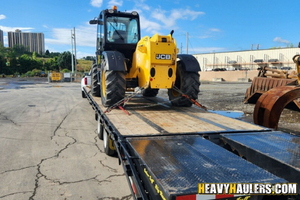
269,106
274,96
261,85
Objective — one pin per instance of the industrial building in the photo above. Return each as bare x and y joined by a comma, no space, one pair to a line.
248,60
1,38
34,41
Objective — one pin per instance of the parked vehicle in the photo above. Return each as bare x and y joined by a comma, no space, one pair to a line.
85,82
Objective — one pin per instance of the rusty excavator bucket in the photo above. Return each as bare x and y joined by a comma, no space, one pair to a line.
271,103
267,79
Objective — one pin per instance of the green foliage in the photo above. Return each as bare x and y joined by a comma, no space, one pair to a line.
34,55
92,58
17,60
65,70
20,50
84,65
64,60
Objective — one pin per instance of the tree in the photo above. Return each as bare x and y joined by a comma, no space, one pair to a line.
24,64
34,55
2,59
20,50
64,60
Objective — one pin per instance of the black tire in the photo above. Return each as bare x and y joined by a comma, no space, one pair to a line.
113,86
95,87
83,94
150,92
108,144
188,83
100,129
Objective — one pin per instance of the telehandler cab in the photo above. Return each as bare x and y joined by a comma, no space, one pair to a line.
124,61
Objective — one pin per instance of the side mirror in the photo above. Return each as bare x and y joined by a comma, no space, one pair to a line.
96,21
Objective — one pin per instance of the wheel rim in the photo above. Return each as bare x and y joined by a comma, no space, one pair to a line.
103,82
105,138
98,127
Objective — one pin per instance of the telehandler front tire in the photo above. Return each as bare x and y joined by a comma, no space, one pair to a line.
113,86
188,83
95,87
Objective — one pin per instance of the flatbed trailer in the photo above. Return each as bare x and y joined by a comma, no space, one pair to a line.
167,151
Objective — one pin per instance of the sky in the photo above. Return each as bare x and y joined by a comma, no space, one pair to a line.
212,25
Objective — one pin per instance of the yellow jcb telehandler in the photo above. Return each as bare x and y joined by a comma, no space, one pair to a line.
124,62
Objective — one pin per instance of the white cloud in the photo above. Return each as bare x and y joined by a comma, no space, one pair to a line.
117,3
45,26
215,30
280,40
96,3
9,29
174,15
2,17
149,26
81,54
85,36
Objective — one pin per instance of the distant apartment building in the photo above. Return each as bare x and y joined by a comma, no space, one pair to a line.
33,41
1,38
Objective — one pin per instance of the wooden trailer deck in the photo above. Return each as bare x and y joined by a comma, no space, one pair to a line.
156,116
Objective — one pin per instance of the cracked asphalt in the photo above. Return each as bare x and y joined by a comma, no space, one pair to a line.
49,147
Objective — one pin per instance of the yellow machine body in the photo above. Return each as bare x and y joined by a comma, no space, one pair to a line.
297,62
154,62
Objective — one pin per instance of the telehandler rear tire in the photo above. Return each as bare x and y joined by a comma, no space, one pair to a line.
188,83
150,92
95,87
113,86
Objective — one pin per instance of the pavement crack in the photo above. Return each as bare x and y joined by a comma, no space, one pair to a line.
127,197
97,144
62,121
78,181
40,174
11,194
115,175
106,166
8,119
13,170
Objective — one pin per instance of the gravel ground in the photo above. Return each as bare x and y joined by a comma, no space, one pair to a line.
229,96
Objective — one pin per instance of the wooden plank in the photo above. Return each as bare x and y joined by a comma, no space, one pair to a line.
147,117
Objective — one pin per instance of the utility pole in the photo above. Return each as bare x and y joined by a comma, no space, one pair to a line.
187,43
181,48
72,61
75,53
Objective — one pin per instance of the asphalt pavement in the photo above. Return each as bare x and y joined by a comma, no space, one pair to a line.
49,147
